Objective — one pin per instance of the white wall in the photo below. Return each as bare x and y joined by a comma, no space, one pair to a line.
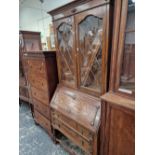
33,15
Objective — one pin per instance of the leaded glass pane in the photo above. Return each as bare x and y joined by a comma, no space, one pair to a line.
65,44
90,52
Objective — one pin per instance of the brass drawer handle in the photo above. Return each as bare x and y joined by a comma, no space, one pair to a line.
74,10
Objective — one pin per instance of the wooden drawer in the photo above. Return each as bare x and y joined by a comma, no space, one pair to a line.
64,119
40,95
42,121
73,136
85,133
38,82
37,67
43,109
72,124
23,91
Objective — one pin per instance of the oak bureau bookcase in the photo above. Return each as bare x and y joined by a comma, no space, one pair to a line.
82,46
118,105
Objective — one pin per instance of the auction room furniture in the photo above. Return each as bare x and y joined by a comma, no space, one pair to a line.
43,79
82,45
118,105
28,41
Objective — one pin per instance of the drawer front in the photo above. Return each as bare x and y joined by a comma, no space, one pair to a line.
81,130
78,140
37,67
23,92
84,132
64,119
44,122
38,82
43,109
40,95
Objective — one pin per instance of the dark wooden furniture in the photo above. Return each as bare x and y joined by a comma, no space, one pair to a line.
28,41
43,79
117,130
82,38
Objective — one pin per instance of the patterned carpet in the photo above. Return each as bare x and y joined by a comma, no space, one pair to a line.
33,140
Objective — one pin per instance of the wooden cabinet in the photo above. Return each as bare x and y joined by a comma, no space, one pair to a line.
43,79
28,41
82,38
117,131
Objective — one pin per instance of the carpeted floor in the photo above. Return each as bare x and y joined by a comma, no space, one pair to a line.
33,140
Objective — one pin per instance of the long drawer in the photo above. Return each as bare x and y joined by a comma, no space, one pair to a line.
43,109
44,122
37,66
38,82
86,134
40,95
73,136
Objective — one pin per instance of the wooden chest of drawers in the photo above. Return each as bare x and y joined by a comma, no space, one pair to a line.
77,116
28,41
43,79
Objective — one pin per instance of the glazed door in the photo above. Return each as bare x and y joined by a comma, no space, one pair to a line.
125,73
65,51
90,29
